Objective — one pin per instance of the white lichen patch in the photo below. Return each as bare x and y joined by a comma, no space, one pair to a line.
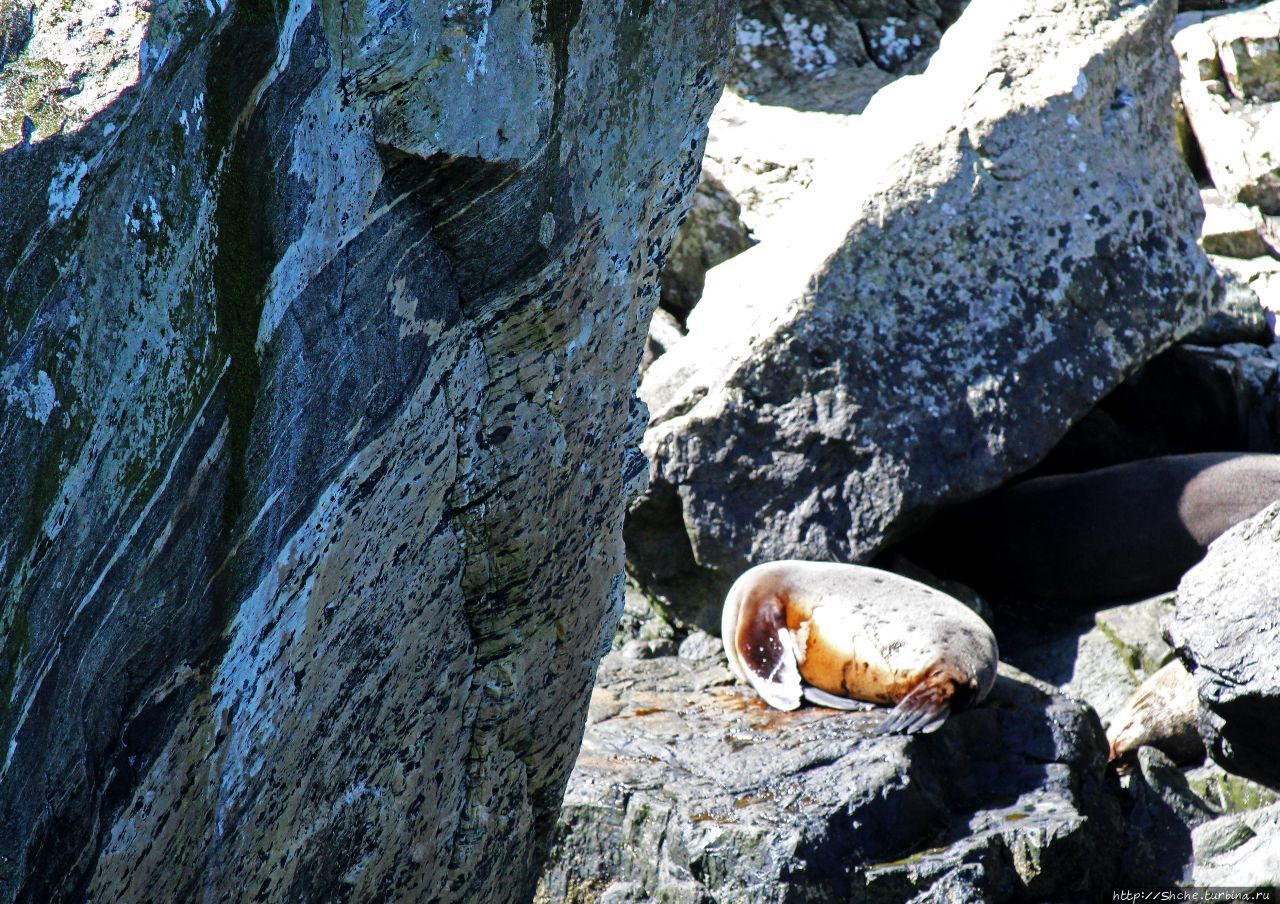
405,307
895,48
752,35
803,41
36,398
474,17
81,57
64,189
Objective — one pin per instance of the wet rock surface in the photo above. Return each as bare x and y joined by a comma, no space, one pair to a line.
929,345
688,788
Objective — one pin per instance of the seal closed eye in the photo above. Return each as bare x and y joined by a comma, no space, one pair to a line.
836,633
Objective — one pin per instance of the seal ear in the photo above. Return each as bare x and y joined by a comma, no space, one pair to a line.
923,710
765,651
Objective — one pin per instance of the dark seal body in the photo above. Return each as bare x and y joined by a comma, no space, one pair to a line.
1128,530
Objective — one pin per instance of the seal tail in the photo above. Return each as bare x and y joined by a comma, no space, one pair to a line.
923,710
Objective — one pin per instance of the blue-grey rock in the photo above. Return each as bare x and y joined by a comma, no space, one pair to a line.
319,325
1225,628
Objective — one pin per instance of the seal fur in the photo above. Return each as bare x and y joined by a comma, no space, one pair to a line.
1125,531
835,632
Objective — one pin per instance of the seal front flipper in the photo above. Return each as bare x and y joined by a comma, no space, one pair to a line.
820,697
923,709
761,649
777,679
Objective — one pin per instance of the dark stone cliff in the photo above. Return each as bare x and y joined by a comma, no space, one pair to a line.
319,326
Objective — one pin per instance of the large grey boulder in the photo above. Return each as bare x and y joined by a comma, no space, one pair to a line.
690,789
1014,236
1226,630
768,156
318,335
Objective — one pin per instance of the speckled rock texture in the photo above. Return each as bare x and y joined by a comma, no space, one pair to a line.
1226,630
833,55
690,789
318,328
1016,235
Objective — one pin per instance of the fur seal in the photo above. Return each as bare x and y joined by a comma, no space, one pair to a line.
836,633
1161,713
1125,531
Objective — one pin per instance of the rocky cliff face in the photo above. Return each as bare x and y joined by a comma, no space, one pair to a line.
319,325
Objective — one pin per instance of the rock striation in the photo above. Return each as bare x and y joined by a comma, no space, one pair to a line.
318,334
942,304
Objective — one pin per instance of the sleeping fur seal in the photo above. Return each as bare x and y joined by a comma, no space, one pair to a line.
1129,530
835,633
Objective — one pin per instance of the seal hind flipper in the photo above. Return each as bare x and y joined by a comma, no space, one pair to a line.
923,710
819,697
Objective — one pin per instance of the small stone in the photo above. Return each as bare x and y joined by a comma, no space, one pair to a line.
700,645
648,649
1230,228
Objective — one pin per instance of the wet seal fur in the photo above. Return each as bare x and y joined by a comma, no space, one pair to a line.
1161,713
837,633
1125,531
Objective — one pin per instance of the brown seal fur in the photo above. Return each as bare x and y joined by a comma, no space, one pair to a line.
835,633
1161,713
1129,530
